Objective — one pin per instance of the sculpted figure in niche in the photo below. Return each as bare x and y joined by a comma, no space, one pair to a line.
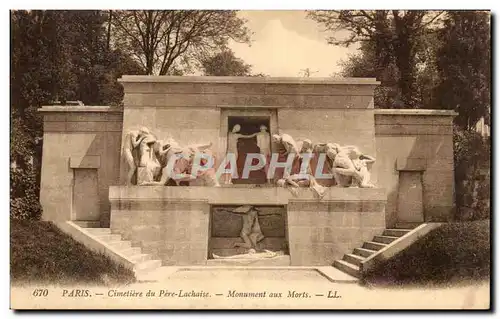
232,148
264,144
264,141
350,168
250,232
251,235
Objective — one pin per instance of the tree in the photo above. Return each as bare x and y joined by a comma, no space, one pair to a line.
225,63
463,64
365,64
392,36
166,40
55,55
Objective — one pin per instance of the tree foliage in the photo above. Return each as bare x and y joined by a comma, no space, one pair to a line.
55,56
393,38
424,59
463,65
166,41
225,63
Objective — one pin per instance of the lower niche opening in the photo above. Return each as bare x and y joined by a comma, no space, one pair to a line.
263,226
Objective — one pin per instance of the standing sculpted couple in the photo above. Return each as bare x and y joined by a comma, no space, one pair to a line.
263,142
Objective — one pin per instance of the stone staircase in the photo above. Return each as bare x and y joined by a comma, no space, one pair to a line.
352,263
383,247
122,251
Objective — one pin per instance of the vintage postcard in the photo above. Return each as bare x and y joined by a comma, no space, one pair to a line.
204,159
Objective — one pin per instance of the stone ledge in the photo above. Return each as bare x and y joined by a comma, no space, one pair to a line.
86,108
239,196
415,112
242,79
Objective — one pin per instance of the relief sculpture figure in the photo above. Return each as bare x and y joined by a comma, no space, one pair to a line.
136,151
264,144
232,148
182,167
252,254
251,234
149,166
286,146
350,168
130,144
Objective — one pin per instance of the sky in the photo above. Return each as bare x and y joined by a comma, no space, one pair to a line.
284,43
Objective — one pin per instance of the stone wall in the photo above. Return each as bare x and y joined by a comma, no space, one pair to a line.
174,231
321,232
173,223
418,141
79,141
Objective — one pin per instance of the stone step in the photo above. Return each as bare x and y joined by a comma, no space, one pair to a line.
406,225
373,245
353,259
140,258
363,252
120,244
87,223
396,232
276,261
109,237
348,268
147,265
384,239
131,251
99,231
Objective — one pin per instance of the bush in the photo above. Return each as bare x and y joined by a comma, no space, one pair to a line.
455,253
24,187
24,190
472,177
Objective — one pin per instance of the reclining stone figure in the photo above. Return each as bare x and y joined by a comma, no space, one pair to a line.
293,182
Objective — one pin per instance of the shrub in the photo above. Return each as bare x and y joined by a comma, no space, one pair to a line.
24,187
472,178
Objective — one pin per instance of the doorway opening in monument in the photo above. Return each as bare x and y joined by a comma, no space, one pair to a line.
248,126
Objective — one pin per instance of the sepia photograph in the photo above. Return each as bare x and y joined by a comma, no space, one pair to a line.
250,159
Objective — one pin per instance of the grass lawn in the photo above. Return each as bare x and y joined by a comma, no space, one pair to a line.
41,253
454,254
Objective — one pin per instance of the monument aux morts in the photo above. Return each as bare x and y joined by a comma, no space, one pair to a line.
247,171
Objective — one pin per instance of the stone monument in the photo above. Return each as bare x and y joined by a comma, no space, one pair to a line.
143,169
